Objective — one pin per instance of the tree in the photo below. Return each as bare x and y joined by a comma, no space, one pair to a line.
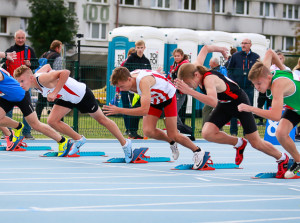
50,20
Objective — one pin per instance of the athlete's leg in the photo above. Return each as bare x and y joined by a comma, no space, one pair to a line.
5,121
54,120
174,135
33,121
150,130
262,145
212,133
109,124
282,134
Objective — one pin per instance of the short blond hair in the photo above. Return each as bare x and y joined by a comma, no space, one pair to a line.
140,43
258,70
21,70
119,74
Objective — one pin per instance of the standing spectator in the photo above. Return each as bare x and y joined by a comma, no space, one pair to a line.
238,69
126,117
179,59
215,66
232,51
25,56
135,61
55,60
262,97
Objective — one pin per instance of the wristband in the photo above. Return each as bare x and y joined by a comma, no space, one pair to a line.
5,55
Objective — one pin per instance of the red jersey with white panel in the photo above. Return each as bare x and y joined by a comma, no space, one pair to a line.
161,91
73,91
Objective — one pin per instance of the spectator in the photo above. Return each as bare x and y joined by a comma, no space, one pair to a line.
262,97
55,60
179,59
232,51
126,117
135,61
238,69
215,66
25,56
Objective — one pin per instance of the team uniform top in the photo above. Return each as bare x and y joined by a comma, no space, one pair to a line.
73,91
291,101
10,89
163,90
232,89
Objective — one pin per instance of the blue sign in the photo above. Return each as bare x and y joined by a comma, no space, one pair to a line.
270,131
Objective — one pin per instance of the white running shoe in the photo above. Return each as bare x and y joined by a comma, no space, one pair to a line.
128,151
76,145
175,151
290,173
198,159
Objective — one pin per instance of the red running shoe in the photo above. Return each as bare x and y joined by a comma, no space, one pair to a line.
282,167
239,152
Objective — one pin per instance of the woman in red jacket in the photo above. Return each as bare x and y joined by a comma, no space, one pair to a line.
179,59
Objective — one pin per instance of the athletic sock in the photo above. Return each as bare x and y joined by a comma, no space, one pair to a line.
172,143
19,126
62,139
282,158
239,143
126,144
198,150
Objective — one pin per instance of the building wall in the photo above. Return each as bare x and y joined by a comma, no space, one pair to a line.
91,12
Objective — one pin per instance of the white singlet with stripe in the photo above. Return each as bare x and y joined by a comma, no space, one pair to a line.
161,91
73,91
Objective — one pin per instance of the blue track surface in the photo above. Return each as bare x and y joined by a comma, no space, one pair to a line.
86,190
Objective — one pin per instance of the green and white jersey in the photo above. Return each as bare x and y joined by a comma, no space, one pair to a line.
291,101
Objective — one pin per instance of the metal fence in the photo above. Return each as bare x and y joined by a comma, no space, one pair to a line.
95,76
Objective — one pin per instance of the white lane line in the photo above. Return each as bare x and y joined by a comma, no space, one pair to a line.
294,189
200,178
161,204
256,220
123,188
139,195
163,210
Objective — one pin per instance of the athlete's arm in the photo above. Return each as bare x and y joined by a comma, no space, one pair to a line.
208,49
272,58
145,85
277,103
45,69
209,99
56,80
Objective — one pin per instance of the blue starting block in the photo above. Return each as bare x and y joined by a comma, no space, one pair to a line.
54,154
207,164
273,175
214,165
28,148
140,157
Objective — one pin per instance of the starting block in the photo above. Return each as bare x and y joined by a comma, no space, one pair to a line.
273,175
24,147
207,165
140,157
78,154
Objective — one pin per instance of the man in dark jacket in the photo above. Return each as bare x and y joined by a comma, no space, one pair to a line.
25,56
238,69
135,61
55,60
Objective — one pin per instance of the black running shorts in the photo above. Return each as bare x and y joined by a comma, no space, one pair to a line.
88,104
25,105
225,111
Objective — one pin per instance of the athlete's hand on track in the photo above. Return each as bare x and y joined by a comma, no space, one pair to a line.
244,108
110,109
